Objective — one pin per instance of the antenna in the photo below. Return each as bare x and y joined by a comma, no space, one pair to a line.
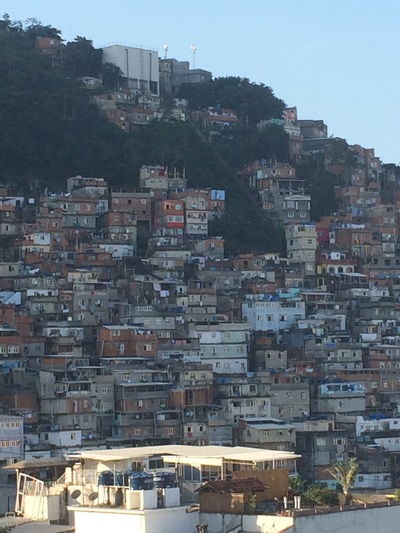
193,49
165,48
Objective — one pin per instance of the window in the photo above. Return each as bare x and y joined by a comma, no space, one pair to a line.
321,442
155,464
170,431
77,207
73,436
137,431
13,349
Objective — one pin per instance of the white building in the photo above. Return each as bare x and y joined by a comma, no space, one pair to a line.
266,312
138,65
225,346
384,424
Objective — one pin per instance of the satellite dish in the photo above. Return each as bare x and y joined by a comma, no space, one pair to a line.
93,496
75,494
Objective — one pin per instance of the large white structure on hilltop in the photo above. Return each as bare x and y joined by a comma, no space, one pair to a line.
138,65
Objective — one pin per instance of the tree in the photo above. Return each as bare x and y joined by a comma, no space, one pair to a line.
34,29
82,58
111,76
344,474
252,102
320,496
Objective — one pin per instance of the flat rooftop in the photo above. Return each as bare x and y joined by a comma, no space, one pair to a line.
206,455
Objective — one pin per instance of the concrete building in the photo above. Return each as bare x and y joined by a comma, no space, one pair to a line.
138,65
225,346
267,432
11,439
174,73
270,312
301,244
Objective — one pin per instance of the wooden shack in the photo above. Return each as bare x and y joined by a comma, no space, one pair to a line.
233,496
276,481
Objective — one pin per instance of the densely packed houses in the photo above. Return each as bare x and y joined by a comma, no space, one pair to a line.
122,322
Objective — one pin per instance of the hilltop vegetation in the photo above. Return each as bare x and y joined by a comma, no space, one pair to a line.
50,130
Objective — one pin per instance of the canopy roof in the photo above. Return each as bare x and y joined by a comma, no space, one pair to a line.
200,455
38,463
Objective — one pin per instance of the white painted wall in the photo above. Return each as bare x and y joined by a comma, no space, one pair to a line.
246,523
378,520
173,520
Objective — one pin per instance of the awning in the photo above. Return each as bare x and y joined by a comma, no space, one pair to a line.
39,463
206,455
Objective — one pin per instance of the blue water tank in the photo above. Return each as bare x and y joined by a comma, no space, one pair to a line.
106,478
119,479
164,480
140,481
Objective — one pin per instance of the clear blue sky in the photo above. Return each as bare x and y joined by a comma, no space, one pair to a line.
336,61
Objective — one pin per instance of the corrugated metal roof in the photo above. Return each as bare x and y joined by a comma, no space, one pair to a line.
233,486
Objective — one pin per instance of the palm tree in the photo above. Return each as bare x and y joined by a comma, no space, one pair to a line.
344,474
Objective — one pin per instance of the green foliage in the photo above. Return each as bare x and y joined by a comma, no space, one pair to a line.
251,101
344,474
49,131
319,184
83,59
251,504
296,485
244,144
396,495
111,76
317,495
34,29
48,128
